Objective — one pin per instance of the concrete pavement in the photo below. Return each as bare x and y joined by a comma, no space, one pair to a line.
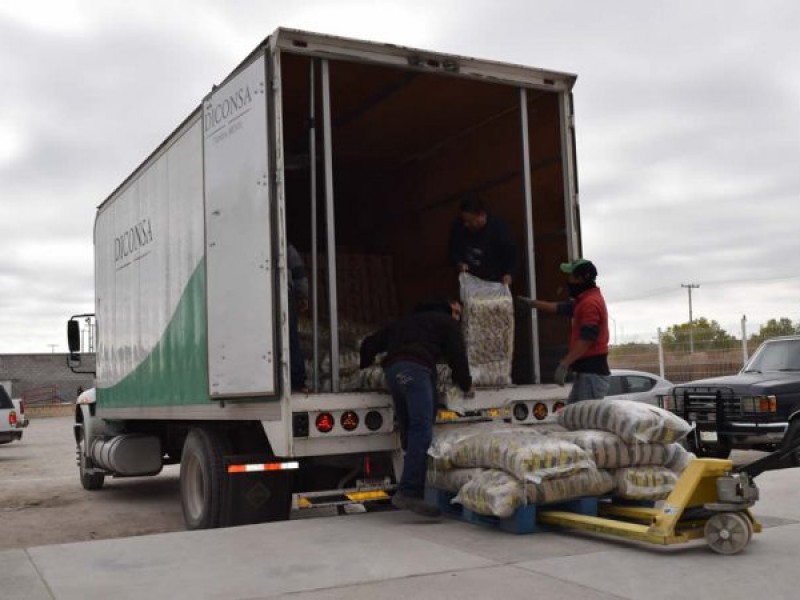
398,555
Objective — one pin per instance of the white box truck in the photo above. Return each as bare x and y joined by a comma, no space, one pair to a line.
357,153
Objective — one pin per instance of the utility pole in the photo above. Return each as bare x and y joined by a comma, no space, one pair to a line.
53,348
690,287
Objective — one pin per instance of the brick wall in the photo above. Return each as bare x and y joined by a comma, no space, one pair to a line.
28,372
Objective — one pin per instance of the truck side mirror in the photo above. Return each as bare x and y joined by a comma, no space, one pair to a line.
73,337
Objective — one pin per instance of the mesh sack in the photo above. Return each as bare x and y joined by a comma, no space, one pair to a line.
488,327
451,480
446,438
609,451
631,421
492,492
526,455
591,482
678,458
644,483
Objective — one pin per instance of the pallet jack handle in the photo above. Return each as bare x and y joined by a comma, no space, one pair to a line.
785,457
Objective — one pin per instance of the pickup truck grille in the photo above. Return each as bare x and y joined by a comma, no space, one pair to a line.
702,404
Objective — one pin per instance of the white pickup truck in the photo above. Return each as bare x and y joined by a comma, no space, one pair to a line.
12,418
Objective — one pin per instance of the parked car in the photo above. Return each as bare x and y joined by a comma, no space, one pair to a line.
639,386
19,404
746,411
11,424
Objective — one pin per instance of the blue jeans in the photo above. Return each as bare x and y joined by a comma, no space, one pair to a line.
588,386
413,392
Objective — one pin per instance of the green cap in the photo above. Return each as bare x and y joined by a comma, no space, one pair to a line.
580,268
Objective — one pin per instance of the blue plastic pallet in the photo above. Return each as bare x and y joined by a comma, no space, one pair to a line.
522,521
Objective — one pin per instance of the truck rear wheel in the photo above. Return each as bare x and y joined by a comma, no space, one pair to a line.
203,478
89,480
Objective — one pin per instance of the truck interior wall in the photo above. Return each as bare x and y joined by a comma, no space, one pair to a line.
406,146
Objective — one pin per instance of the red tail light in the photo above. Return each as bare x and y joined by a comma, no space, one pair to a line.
558,406
540,410
349,420
12,418
324,422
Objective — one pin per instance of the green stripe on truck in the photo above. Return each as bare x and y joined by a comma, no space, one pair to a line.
176,371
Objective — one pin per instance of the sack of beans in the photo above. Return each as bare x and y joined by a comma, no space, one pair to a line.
446,439
590,482
488,327
526,455
492,492
678,458
631,421
451,480
609,451
644,483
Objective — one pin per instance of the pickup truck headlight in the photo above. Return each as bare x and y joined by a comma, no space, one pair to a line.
756,404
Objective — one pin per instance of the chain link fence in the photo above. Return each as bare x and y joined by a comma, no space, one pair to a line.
685,358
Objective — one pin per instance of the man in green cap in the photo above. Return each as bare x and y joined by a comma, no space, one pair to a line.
587,356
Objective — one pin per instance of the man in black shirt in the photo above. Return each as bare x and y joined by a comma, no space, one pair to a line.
413,345
481,243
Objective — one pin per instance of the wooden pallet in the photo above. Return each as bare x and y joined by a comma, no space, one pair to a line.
524,519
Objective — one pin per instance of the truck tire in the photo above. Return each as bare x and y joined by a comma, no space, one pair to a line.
89,481
202,478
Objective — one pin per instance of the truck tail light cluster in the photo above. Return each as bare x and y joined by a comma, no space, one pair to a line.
338,422
324,422
12,418
349,420
532,411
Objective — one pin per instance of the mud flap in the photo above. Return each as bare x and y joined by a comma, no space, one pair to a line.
257,496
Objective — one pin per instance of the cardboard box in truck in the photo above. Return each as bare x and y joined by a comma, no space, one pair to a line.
356,153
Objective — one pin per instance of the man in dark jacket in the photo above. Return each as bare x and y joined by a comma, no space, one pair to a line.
481,243
413,345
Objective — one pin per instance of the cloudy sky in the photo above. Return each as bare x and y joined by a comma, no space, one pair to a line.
687,113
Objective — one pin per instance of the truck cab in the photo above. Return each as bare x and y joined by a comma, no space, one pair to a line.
749,410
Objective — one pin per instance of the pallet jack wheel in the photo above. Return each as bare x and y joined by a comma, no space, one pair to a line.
728,532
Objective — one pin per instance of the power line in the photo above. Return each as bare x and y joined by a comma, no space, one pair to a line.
673,289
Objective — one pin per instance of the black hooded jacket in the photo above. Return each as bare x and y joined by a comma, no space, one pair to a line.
490,252
422,338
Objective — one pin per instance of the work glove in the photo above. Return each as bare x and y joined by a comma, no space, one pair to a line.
560,376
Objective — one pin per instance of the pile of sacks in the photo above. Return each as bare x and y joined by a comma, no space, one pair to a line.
599,447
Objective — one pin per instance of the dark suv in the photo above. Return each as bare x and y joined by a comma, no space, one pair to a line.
745,411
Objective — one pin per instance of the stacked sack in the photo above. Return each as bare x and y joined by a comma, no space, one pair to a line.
351,334
488,327
637,444
495,468
627,449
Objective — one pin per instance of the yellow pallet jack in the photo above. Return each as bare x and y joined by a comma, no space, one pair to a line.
711,500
